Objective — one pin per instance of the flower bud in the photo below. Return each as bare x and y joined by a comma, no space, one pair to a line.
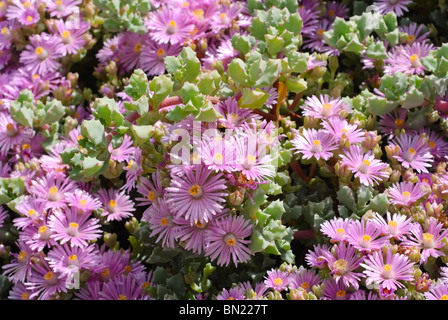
236,198
371,140
110,239
132,225
414,255
297,294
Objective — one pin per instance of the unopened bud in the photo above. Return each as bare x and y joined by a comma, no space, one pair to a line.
236,198
297,294
110,239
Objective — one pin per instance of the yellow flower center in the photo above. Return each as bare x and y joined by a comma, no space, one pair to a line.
66,34
199,224
366,162
427,237
199,14
138,47
73,257
48,276
387,267
305,285
29,18
366,238
151,195
27,4
331,13
444,297
39,50
82,203
53,190
278,282
412,151
112,203
340,293
22,255
127,269
399,122
414,58
164,222
160,52
320,32
43,229
432,144
340,231
195,190
25,296
121,297
393,224
31,212
316,142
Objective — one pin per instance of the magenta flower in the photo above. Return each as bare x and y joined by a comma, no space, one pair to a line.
312,143
124,152
38,235
235,293
122,288
225,240
198,195
72,37
388,271
405,193
429,240
316,257
152,58
438,146
232,115
335,229
305,279
10,134
41,54
218,154
343,132
66,258
335,290
225,16
90,291
369,170
63,8
169,25
397,226
414,152
45,282
277,280
365,236
20,267
343,263
407,59
392,121
397,6
77,229
20,292
160,219
32,210
82,201
416,33
111,49
25,13
53,188
117,205
324,107
437,292
150,190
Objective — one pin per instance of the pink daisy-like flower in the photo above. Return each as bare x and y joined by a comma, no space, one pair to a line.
10,134
438,146
225,16
316,41
90,291
41,54
82,201
407,59
324,107
20,267
122,288
416,33
392,121
19,292
336,9
414,152
169,25
111,49
161,222
218,153
343,262
72,37
52,161
235,293
151,190
133,171
277,280
124,152
397,6
23,11
312,143
305,279
365,236
198,195
252,160
429,240
131,49
45,282
316,257
388,271
32,210
405,193
52,188
117,204
225,240
62,8
232,115
38,235
335,290
152,58
437,292
369,170
362,295
396,226
343,132
335,229
78,230
66,258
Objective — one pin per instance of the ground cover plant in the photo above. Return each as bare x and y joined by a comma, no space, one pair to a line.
218,149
